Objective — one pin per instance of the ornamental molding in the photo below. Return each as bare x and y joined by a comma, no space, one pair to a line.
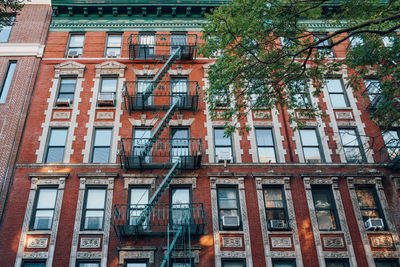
35,182
179,254
139,181
110,67
60,115
382,241
88,255
136,254
36,255
227,181
232,242
333,242
104,115
284,254
69,68
90,242
146,71
34,242
179,70
281,242
233,254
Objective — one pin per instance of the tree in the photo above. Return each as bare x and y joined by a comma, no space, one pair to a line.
8,11
268,54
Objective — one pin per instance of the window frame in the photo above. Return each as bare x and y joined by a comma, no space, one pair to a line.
59,87
171,190
393,262
284,261
343,92
136,149
378,205
79,261
284,208
49,134
145,261
150,100
266,146
132,187
31,261
120,34
320,149
179,145
360,147
35,208
333,208
147,47
302,93
85,209
223,261
238,208
94,146
333,260
76,47
222,146
329,52
5,86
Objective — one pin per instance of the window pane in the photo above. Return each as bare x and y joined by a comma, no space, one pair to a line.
366,198
47,198
58,137
356,41
266,154
390,135
55,155
312,154
101,155
386,264
102,137
147,39
95,198
326,220
273,198
276,214
34,264
180,196
43,219
136,265
264,137
353,154
5,34
7,82
220,139
228,203
108,85
309,137
139,196
180,133
321,199
283,264
232,264
338,100
76,41
349,137
67,85
94,219
226,193
179,85
334,85
114,40
178,39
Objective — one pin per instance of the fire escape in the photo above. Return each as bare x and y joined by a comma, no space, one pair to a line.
179,221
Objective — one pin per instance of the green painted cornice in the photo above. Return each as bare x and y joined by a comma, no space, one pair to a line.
138,2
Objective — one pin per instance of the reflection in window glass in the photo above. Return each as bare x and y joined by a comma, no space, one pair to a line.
56,146
44,208
265,146
228,204
310,145
7,81
94,209
351,145
223,144
367,202
101,146
324,209
336,93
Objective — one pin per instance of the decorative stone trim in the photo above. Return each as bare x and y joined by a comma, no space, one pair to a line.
333,181
87,179
128,253
61,115
90,242
381,241
238,180
146,71
180,71
333,242
110,68
281,242
69,68
195,254
38,179
232,242
88,255
261,180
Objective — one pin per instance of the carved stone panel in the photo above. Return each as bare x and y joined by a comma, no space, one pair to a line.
35,255
37,242
90,242
88,255
232,242
344,115
60,115
281,242
333,242
105,115
262,114
382,241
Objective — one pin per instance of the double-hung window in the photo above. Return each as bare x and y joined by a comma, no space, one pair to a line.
101,145
75,45
113,48
368,203
275,208
228,208
386,263
373,88
351,145
337,263
325,209
223,146
6,30
179,40
180,206
88,263
43,212
93,213
179,144
300,94
337,93
179,91
66,91
139,263
147,45
142,86
311,146
324,48
392,143
141,136
139,198
56,145
265,145
7,81
108,91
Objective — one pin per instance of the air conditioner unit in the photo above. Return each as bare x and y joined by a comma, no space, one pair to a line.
224,155
230,222
277,224
313,161
73,53
374,224
63,102
112,54
106,99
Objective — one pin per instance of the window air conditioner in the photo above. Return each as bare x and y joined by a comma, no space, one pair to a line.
277,224
112,54
106,99
73,53
374,224
313,161
224,155
63,102
230,222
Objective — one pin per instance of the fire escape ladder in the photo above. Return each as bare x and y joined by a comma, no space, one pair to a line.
179,233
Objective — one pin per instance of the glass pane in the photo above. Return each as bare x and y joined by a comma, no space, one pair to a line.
366,198
95,198
147,39
102,137
142,133
180,133
388,41
113,52
312,154
7,82
34,264
353,154
321,199
228,203
220,139
226,193
356,41
326,220
114,40
5,33
43,219
334,85
108,85
283,264
233,212
276,214
67,85
101,155
179,86
76,41
180,196
89,264
233,264
55,155
349,137
47,198
264,137
373,86
309,137
178,39
58,137
338,100
266,154
94,220
273,198
390,135
370,214
136,264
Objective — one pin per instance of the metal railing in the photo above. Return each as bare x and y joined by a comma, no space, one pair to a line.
164,153
148,46
390,153
164,94
125,218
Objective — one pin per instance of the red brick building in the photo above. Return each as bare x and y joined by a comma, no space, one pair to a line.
21,49
121,165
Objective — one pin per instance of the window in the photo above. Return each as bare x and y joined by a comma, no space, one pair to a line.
179,91
5,31
34,263
136,264
141,136
113,48
336,263
221,100
311,147
180,206
325,209
101,145
336,93
179,144
88,263
351,145
228,208
233,263
368,203
42,215
275,208
356,41
56,145
286,42
388,41
108,85
75,45
265,145
147,43
66,91
179,40
373,88
142,85
139,198
7,81
93,214
283,263
301,95
223,146
323,47
392,143
386,263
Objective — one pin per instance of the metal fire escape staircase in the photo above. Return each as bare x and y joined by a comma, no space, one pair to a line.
144,215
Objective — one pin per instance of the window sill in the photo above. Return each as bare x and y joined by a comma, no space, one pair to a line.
343,108
225,232
64,108
331,232
90,232
39,232
106,108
